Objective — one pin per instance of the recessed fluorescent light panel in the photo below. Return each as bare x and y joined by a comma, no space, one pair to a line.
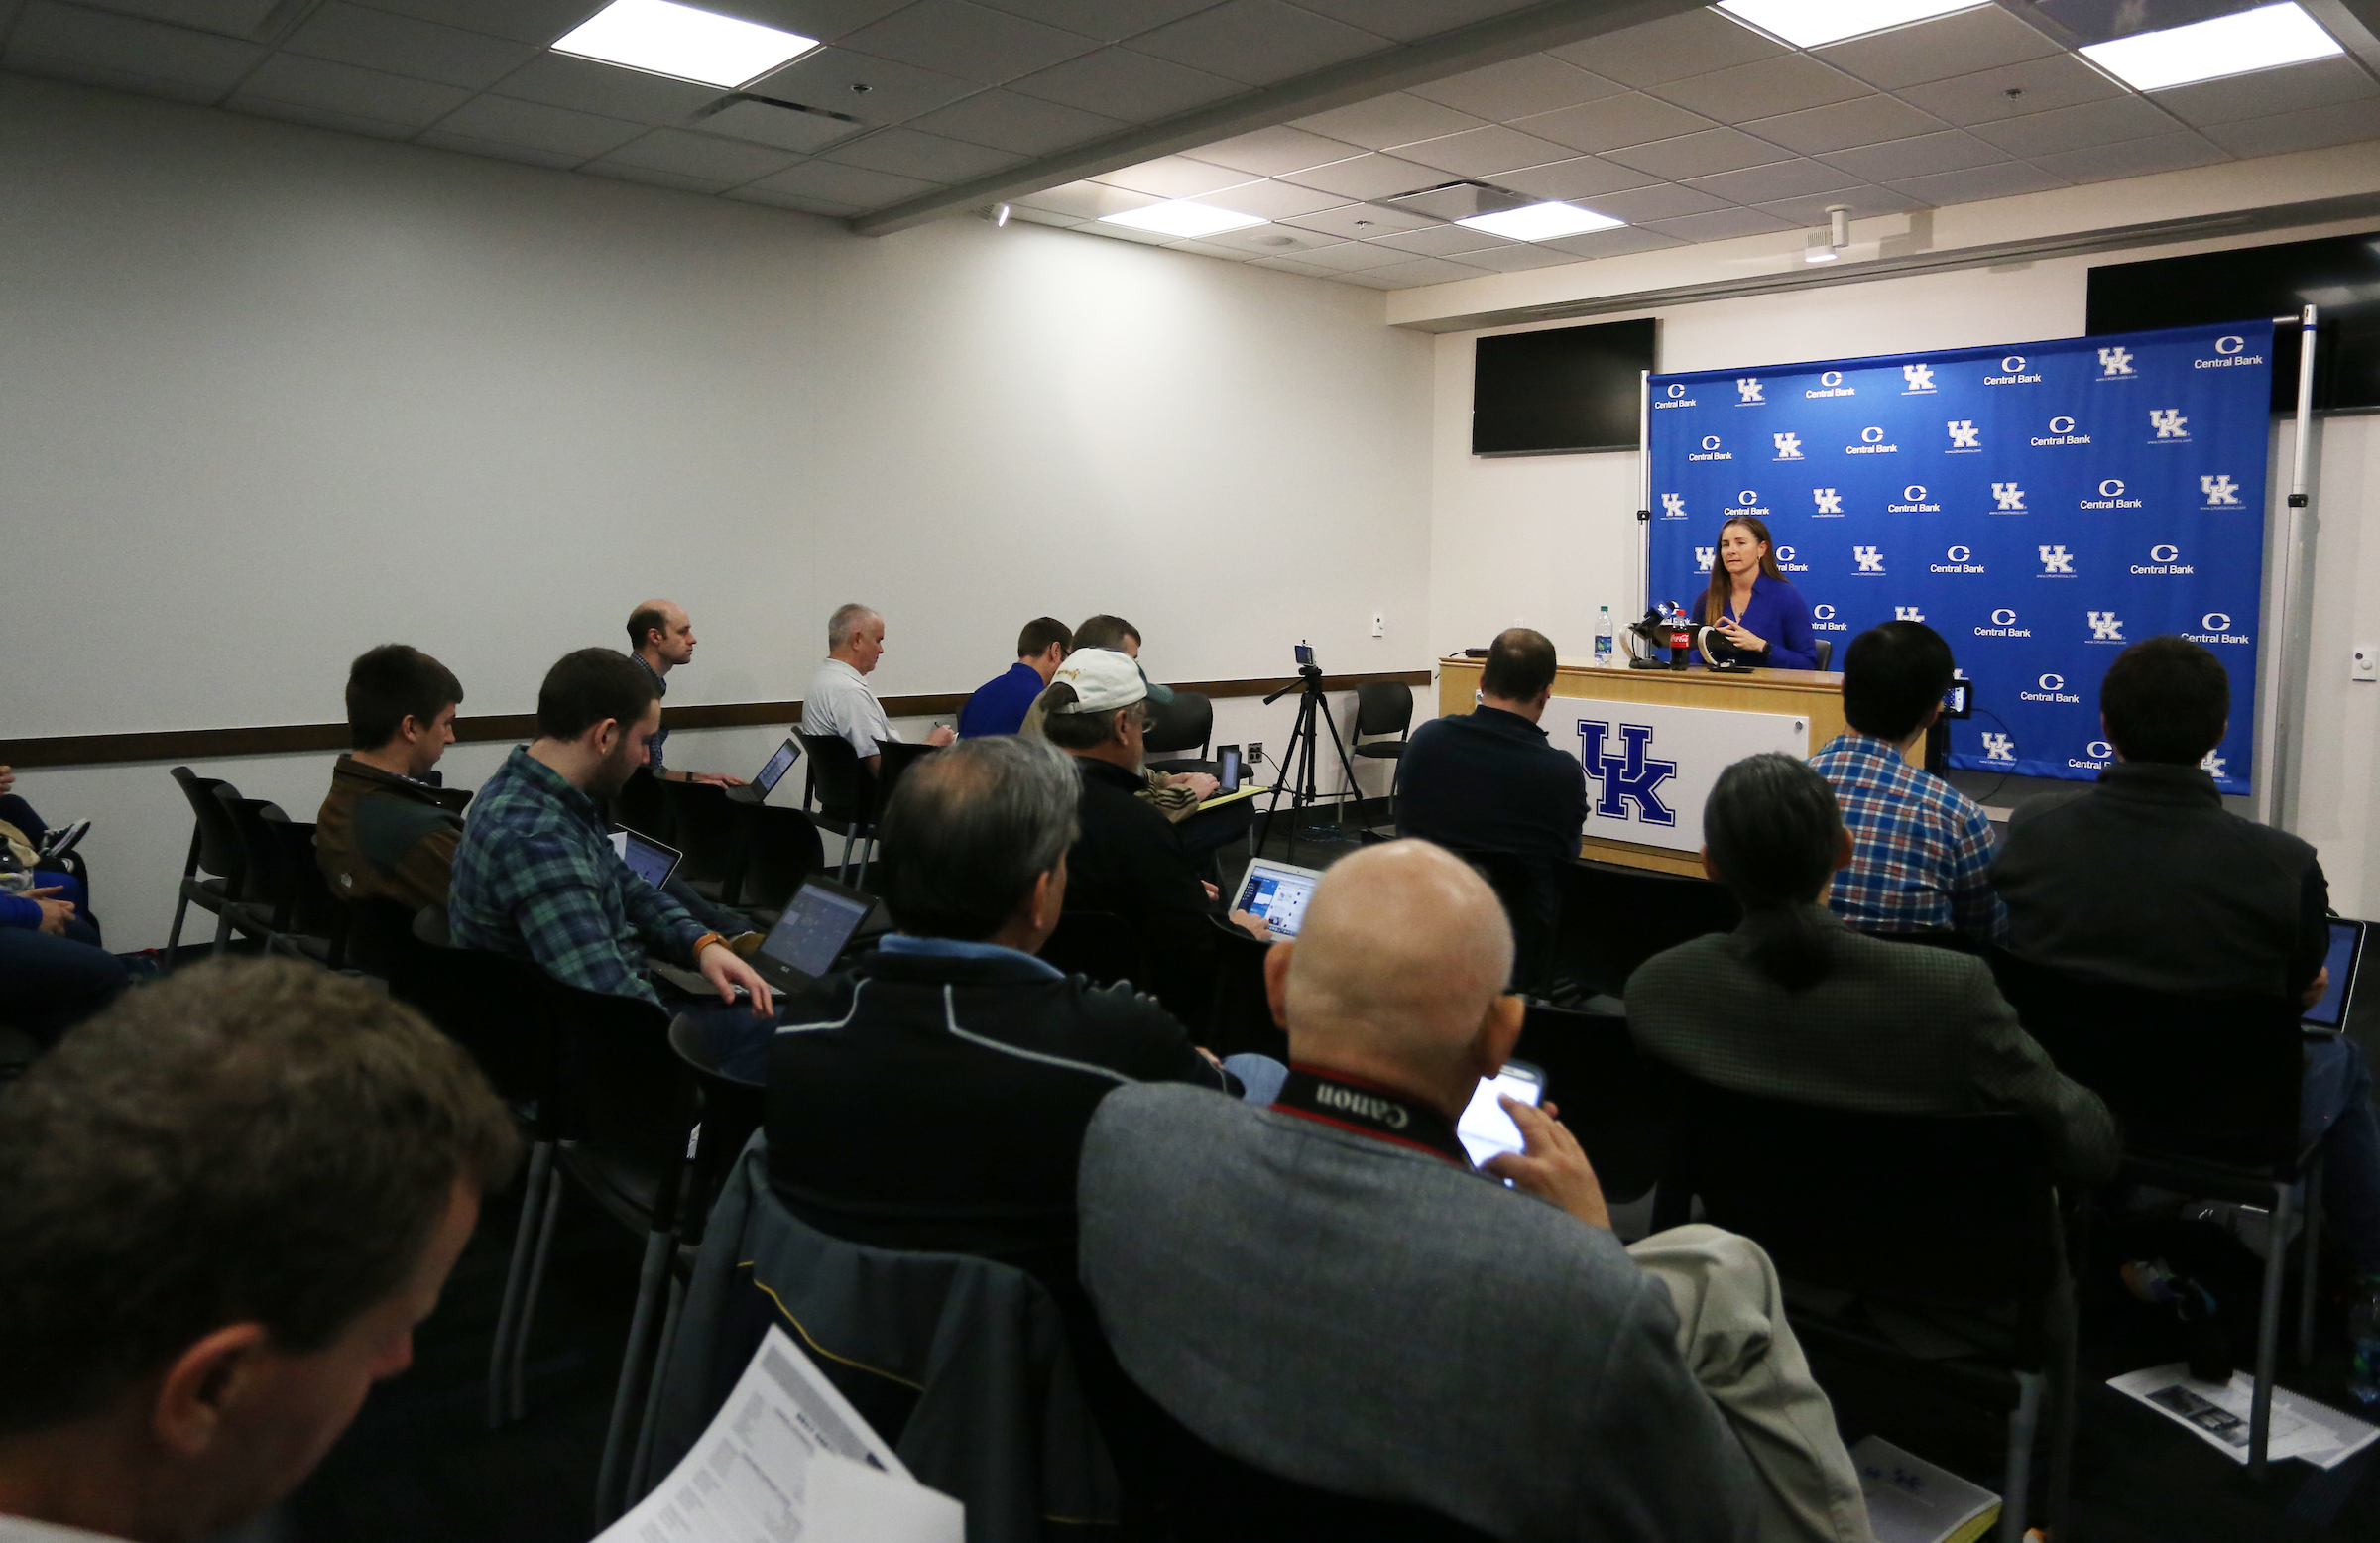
1540,222
1805,24
681,42
2233,45
1183,217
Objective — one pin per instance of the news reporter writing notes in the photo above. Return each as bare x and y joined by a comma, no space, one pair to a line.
1752,604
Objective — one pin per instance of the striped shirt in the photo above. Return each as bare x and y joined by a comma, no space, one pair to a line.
1921,850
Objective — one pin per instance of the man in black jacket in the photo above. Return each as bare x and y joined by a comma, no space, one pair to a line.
935,1096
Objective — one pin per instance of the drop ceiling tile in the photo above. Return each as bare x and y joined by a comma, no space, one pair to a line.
1370,280
1353,257
779,127
1408,20
654,176
1633,119
1519,258
1945,150
1259,41
404,46
1361,221
1172,177
2060,80
1290,264
1581,177
1982,37
1124,84
225,17
1273,200
1443,241
367,94
1976,183
1102,19
1426,269
1657,52
1024,125
1086,200
834,78
1485,152
827,207
1720,225
1777,179
1371,177
1696,155
1762,90
64,35
2135,157
1395,119
1868,120
583,85
1517,87
439,139
1032,216
1273,239
534,126
320,118
2269,91
1863,202
1612,242
844,185
1662,201
726,161
1275,151
2340,123
828,21
114,79
2078,127
968,42
523,21
1211,249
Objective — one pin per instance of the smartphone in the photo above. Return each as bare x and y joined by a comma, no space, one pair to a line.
1305,656
1485,1128
1960,700
1229,775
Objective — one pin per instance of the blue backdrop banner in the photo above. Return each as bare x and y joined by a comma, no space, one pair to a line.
2039,506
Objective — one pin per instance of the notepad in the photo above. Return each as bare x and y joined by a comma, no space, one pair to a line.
1910,1500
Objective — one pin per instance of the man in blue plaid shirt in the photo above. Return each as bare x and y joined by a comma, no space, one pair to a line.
1921,850
536,874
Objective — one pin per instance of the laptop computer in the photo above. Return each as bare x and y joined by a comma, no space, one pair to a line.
2346,953
757,790
647,858
818,923
1276,891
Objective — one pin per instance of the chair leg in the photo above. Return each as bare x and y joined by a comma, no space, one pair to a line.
2023,1421
2064,1394
515,1276
2309,1262
650,1280
222,930
519,1378
640,1469
2268,1335
182,909
843,869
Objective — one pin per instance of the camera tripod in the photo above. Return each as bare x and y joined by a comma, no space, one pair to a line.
1298,760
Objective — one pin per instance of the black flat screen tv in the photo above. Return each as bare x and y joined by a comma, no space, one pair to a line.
1561,390
2339,275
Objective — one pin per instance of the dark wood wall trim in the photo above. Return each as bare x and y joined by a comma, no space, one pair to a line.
98,750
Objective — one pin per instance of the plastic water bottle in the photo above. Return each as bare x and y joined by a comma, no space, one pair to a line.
2363,1358
1602,638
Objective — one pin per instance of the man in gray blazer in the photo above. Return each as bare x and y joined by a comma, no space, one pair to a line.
1328,1290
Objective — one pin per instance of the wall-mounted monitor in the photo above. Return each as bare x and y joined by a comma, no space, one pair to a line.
2339,275
1561,390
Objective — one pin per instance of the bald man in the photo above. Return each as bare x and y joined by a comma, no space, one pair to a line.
660,637
1327,1289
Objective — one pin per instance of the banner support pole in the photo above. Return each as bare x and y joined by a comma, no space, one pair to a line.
2272,781
1644,493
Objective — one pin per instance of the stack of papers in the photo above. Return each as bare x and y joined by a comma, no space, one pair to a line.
2218,1413
1910,1500
788,1457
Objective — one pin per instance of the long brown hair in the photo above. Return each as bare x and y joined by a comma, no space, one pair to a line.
1723,583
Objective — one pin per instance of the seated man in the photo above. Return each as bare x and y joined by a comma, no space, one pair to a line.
1921,850
934,1096
839,701
1328,1291
231,1199
2145,879
1129,860
998,707
660,637
389,830
1794,1005
535,876
1488,781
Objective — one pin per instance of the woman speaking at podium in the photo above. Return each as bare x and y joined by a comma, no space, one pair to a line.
1762,616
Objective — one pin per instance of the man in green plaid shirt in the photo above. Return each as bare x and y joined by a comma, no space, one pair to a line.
535,876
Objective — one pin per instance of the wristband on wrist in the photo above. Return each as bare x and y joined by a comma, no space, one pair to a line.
703,942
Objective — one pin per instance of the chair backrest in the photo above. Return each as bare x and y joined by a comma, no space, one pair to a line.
786,849
845,787
1185,723
215,843
380,936
314,910
641,806
1384,707
1517,887
1824,647
1098,945
264,870
707,827
1609,1099
1615,918
732,1108
2211,1077
895,757
1239,1015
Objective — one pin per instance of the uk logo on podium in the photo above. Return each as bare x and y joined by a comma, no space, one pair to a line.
1631,776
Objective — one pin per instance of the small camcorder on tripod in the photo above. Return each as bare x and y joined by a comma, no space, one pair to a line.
1297,763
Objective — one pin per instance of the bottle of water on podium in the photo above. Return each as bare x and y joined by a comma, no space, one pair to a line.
1602,638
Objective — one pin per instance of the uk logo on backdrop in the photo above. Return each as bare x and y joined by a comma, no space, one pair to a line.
1919,378
1965,435
2056,562
1628,778
1789,447
2221,492
1830,502
2114,362
1747,391
2009,496
2105,627
2169,423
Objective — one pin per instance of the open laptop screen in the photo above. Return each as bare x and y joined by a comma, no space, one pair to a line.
815,928
648,860
1278,894
778,765
2347,944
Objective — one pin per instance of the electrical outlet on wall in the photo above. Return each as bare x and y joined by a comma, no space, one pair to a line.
1255,751
1379,625
2366,664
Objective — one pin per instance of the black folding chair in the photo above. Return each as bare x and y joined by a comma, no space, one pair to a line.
1518,889
315,924
1098,945
268,879
1384,707
1609,1099
214,875
1185,723
378,935
786,849
1615,918
708,829
846,792
1240,1014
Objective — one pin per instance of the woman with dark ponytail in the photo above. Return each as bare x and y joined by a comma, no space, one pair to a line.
1794,1005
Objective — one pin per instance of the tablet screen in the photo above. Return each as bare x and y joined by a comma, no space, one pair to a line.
2328,1013
1485,1128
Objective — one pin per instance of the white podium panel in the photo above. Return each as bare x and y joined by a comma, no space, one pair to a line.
1650,766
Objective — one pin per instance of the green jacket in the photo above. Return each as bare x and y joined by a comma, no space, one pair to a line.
388,838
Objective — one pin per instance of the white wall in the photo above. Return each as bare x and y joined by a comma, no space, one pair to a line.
270,395
1546,539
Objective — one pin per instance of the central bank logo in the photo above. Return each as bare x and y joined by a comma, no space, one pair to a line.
2221,492
1673,505
1870,558
2055,560
2115,361
1631,776
1704,557
1830,502
2100,749
1907,614
2169,423
2009,495
2165,551
1999,747
2105,627
1789,447
1749,389
1965,435
1920,377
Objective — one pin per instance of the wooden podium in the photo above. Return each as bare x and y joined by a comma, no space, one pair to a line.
1816,695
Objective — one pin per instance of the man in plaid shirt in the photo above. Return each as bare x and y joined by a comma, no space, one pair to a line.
1921,850
536,874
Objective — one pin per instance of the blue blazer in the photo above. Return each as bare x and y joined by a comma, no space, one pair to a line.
1780,614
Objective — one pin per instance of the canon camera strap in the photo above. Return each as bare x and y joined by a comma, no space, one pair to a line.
1368,1108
